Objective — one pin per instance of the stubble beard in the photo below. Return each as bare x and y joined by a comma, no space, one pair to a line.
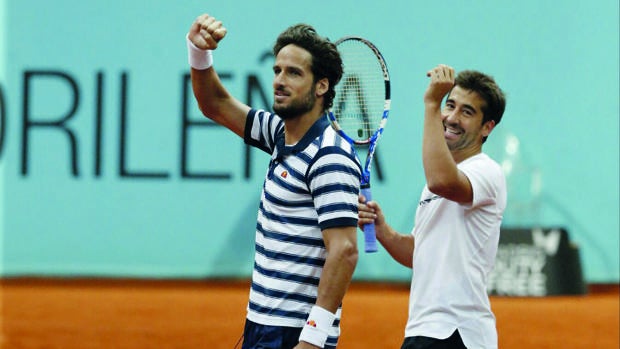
296,108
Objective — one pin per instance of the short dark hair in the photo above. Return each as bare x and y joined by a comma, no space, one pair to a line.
326,61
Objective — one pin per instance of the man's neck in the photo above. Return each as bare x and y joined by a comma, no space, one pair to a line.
296,128
464,154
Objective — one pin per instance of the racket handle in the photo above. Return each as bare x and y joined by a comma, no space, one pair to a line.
370,237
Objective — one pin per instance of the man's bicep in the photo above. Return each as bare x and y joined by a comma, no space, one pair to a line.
464,192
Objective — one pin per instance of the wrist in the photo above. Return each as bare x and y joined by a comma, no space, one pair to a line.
316,329
198,58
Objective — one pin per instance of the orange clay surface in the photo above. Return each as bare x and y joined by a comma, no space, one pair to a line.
89,314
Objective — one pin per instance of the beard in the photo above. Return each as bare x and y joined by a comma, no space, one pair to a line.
296,107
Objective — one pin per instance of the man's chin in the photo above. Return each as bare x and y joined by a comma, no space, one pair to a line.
286,113
452,144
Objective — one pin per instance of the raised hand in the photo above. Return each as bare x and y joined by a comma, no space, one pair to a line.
442,81
206,32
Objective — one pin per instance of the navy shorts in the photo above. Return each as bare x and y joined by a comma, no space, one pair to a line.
257,336
421,342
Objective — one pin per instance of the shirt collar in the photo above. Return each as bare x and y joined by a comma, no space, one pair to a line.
313,132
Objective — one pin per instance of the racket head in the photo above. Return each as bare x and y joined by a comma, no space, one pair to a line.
362,103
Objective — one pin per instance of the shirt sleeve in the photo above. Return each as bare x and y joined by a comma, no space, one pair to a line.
334,181
487,182
262,130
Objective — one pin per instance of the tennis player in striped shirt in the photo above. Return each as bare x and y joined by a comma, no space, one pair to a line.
306,249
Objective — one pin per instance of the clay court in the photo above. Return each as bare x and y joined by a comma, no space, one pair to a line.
94,314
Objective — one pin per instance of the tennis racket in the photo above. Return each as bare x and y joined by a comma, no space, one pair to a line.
361,108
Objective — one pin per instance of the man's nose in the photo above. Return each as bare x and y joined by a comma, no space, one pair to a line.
450,115
278,79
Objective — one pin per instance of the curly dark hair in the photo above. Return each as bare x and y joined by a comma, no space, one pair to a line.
326,61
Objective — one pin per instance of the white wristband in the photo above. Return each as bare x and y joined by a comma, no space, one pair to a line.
198,58
316,329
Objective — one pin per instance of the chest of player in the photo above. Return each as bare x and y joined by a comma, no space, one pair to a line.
285,183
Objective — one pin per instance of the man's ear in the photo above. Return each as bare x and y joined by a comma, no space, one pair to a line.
487,128
321,87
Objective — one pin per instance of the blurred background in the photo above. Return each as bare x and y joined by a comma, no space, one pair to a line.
107,168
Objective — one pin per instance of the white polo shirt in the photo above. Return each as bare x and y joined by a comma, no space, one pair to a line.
455,248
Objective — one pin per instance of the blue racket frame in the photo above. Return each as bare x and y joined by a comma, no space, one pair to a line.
370,240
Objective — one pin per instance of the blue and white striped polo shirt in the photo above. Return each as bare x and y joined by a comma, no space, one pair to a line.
308,187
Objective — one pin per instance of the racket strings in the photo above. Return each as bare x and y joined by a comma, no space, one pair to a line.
361,93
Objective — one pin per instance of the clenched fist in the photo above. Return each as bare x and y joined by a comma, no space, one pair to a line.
206,32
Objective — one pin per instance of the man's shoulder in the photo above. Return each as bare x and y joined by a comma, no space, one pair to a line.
480,160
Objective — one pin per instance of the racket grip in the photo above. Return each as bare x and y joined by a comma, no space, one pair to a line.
370,237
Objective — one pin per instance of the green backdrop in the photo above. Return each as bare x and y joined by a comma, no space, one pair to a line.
108,169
